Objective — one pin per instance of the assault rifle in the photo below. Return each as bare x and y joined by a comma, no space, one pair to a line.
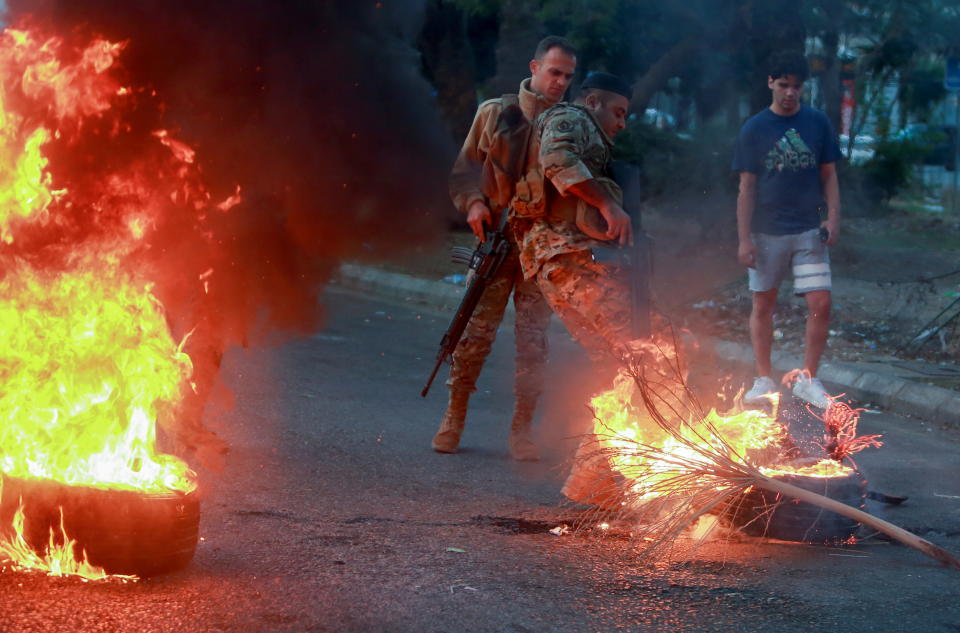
638,258
484,262
640,255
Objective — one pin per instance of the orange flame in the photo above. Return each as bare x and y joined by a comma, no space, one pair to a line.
71,91
67,92
750,436
87,358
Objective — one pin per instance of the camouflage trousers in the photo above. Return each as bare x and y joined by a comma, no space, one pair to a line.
530,332
591,300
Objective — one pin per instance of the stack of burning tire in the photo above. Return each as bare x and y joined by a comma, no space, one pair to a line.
123,531
762,513
759,512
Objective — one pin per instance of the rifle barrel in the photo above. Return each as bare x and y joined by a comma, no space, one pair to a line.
433,374
484,261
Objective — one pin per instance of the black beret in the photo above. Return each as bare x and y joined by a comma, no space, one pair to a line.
600,80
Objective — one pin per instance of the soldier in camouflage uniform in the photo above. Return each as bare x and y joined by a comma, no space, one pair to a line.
481,179
558,233
559,222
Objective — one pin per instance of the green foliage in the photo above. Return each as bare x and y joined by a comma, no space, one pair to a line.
621,36
867,189
890,168
922,88
892,40
482,8
686,178
602,43
678,166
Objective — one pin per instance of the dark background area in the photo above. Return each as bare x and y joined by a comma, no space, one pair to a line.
339,121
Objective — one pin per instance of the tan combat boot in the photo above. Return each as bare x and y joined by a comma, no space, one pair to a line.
451,427
522,447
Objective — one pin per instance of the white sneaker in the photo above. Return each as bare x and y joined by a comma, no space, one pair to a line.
762,386
811,390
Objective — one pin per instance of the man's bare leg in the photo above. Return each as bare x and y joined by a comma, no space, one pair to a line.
818,327
761,329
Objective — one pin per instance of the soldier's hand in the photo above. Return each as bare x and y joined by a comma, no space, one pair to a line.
747,253
478,215
618,224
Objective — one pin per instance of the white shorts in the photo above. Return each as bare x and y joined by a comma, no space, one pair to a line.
803,254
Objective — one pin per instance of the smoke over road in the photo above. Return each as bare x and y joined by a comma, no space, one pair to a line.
316,110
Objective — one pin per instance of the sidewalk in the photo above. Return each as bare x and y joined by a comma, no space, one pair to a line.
900,387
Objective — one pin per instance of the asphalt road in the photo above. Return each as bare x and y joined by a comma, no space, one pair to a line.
333,514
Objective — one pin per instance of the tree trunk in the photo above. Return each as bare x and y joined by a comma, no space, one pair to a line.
662,70
830,80
771,27
447,60
520,31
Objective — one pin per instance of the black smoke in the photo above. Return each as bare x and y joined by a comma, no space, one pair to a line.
317,110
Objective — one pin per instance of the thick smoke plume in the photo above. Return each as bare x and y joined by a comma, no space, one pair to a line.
316,110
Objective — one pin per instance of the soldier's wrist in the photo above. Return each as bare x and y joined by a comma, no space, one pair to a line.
474,202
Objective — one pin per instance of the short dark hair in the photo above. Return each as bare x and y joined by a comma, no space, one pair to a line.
790,62
554,41
603,95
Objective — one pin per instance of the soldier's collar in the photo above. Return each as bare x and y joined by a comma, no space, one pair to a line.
533,104
603,134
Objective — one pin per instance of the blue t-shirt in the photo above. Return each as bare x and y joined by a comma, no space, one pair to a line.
785,152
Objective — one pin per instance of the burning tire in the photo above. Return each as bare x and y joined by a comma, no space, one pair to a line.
122,531
763,513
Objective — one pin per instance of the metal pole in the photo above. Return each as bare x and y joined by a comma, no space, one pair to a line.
955,199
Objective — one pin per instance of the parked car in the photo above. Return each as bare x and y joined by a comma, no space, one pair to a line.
659,119
940,142
862,148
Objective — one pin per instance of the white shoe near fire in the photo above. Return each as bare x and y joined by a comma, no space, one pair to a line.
762,386
811,390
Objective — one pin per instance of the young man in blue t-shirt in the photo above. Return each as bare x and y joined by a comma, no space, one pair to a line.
786,156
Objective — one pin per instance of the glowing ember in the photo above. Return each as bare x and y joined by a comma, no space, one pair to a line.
87,357
822,468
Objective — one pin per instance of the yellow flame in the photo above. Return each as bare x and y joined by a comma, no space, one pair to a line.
88,364
24,186
58,558
824,468
748,437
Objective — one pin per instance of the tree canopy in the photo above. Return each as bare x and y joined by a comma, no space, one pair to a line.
705,58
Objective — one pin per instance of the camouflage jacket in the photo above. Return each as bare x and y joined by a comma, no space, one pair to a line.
470,178
573,149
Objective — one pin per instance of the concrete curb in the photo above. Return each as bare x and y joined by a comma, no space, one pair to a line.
892,393
896,394
437,295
